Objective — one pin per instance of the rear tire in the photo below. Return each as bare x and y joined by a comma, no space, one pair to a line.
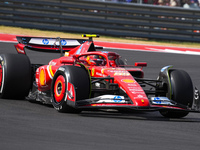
70,84
15,76
182,93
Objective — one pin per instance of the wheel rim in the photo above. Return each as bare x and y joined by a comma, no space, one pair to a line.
59,89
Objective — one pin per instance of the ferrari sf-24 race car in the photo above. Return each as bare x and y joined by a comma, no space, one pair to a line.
86,78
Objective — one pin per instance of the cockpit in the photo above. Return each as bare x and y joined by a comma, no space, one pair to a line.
109,59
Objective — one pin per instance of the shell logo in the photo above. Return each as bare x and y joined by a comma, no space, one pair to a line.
66,54
128,80
102,71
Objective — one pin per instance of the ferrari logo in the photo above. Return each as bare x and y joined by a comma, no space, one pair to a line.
142,101
93,70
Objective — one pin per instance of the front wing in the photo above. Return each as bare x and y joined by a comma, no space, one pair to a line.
121,102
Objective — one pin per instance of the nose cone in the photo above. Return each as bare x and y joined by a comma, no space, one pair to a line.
130,86
134,91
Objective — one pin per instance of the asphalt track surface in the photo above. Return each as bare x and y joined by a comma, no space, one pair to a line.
33,126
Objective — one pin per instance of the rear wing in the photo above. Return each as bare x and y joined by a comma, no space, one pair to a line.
46,44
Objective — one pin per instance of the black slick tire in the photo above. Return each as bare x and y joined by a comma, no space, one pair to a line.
15,76
182,93
74,76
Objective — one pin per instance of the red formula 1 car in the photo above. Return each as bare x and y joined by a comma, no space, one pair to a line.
86,79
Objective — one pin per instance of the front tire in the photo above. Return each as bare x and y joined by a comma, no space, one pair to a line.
70,84
173,113
182,93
